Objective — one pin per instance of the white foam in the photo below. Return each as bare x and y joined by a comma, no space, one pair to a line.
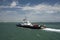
51,29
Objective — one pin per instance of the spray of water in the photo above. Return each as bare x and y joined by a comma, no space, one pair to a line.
51,29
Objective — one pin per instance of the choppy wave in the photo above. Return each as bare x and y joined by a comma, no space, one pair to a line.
51,29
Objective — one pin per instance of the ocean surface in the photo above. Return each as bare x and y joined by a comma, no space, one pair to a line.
9,31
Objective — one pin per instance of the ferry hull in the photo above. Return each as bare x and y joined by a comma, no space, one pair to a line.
28,26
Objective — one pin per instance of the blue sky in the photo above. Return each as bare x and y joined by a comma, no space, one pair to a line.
35,10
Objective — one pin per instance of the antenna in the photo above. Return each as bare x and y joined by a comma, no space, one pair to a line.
25,19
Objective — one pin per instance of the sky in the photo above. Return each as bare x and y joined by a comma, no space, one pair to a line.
34,10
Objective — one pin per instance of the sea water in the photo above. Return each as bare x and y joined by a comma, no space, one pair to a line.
9,31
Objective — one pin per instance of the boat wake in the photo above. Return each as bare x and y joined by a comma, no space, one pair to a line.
51,29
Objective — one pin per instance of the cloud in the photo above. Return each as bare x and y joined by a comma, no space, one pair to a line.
43,12
40,13
10,16
13,4
42,7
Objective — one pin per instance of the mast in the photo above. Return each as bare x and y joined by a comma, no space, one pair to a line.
25,19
